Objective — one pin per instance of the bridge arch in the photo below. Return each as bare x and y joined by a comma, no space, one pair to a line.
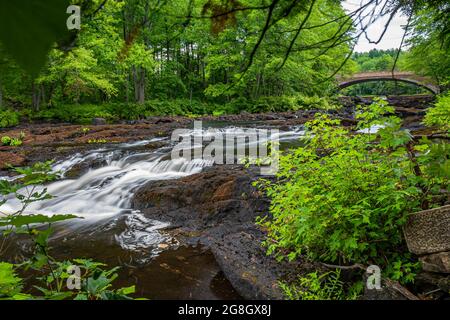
406,77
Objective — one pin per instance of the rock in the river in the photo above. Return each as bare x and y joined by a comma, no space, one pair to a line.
252,273
218,196
390,290
415,103
437,262
430,281
98,121
10,158
428,231
218,208
81,168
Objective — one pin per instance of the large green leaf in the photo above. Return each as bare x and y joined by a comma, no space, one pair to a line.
28,29
22,220
10,284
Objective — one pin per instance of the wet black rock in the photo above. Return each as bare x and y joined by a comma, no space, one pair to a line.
218,208
98,121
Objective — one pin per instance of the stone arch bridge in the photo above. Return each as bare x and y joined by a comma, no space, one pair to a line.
407,77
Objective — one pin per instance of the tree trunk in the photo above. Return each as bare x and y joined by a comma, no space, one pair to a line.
36,98
141,95
139,84
43,95
127,88
1,96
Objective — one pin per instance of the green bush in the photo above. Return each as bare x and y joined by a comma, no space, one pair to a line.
314,102
315,286
126,111
84,113
344,197
80,114
288,103
8,141
8,118
236,106
439,115
273,104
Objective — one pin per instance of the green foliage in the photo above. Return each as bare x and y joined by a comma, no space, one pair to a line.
96,282
383,88
37,26
111,112
439,115
325,286
38,173
10,284
344,197
78,70
403,271
8,118
97,141
80,114
13,142
25,220
288,103
375,60
115,58
429,52
6,140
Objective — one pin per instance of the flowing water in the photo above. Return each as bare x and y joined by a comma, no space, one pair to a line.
102,197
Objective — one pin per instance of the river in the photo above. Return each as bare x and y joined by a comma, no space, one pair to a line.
149,256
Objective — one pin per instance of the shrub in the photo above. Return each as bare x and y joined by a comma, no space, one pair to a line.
273,104
325,286
236,106
288,103
126,111
439,115
8,118
81,114
8,141
344,197
314,102
84,113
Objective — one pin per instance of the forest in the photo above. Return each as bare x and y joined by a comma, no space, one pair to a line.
88,113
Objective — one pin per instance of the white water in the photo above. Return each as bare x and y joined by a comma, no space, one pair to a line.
106,192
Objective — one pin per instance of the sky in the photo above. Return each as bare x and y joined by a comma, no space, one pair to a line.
391,39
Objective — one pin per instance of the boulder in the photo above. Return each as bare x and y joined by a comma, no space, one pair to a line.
428,231
218,196
218,208
11,158
437,262
390,290
98,121
416,102
431,281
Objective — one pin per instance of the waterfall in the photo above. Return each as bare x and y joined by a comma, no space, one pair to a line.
104,193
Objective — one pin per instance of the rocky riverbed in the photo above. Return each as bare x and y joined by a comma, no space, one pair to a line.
45,141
